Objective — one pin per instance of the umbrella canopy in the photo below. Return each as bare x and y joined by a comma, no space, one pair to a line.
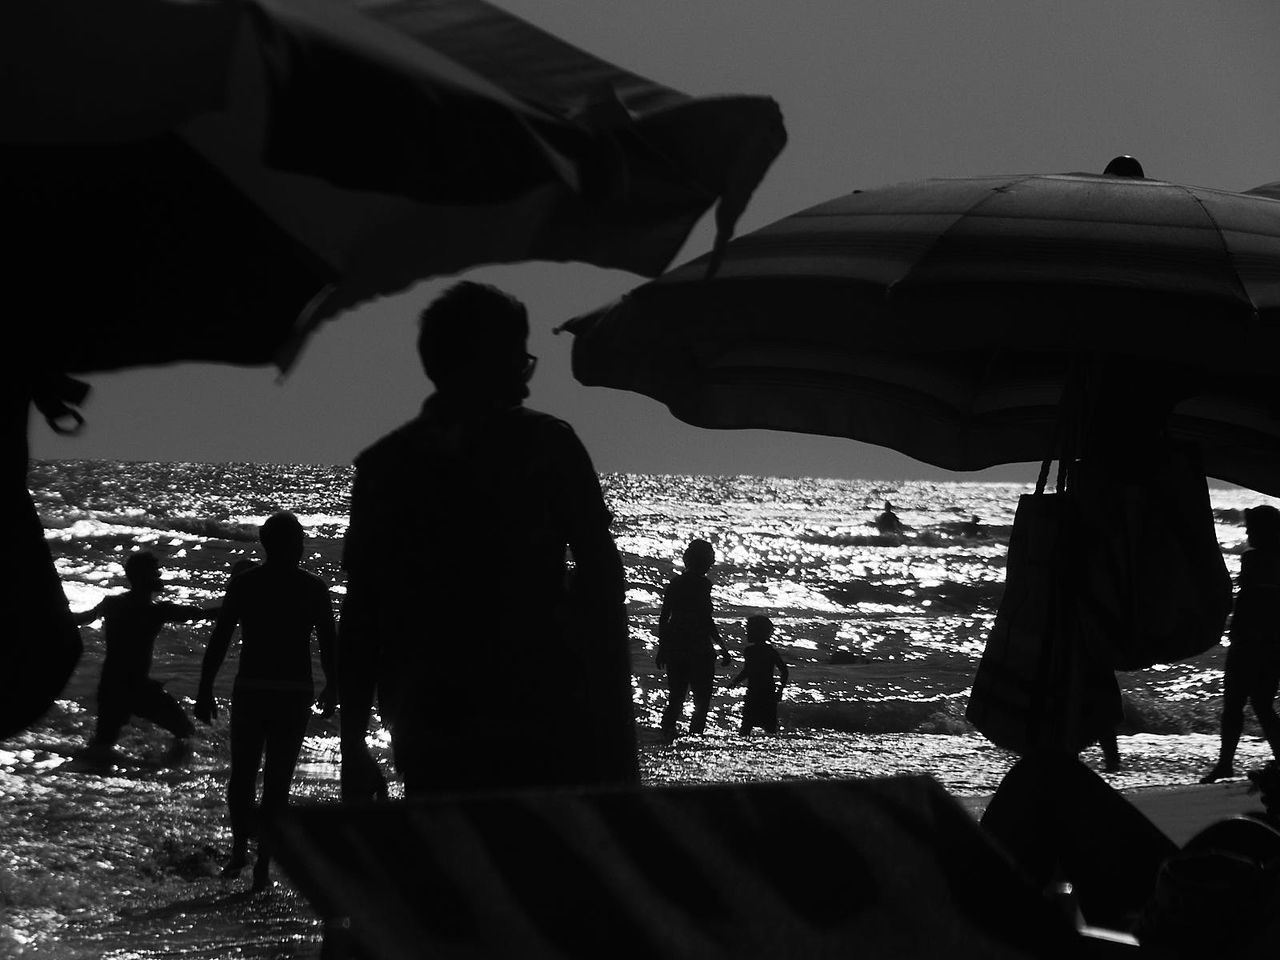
942,318
203,171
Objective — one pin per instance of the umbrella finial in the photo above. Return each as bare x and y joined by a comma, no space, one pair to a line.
1125,166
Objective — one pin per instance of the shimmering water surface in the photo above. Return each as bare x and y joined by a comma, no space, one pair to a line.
882,634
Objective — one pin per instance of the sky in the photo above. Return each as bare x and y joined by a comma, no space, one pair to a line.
872,93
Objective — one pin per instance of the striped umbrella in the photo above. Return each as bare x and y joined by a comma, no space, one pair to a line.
201,171
942,318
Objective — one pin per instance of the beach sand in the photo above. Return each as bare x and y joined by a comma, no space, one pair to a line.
159,894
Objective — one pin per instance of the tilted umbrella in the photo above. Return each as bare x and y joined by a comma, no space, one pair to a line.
974,322
942,318
371,145
208,180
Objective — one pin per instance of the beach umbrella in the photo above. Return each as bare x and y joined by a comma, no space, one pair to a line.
988,320
205,179
209,180
943,317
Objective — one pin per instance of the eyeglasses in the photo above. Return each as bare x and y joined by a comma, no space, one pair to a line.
530,364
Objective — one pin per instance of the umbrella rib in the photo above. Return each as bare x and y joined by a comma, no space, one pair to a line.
943,234
1226,250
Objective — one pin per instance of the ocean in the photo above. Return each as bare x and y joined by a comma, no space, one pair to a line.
882,635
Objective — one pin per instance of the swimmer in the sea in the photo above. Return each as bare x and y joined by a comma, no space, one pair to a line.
888,522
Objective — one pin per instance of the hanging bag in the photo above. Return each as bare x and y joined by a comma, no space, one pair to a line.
1044,681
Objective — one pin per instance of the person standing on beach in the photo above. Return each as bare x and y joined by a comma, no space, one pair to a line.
278,607
131,624
687,638
1252,671
762,660
495,665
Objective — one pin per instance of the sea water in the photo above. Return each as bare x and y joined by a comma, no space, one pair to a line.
882,635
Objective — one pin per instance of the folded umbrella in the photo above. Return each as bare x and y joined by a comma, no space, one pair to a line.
389,142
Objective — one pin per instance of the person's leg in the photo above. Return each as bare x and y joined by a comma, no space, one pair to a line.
701,682
155,704
113,714
677,688
1235,693
1110,751
1262,697
248,736
286,729
769,713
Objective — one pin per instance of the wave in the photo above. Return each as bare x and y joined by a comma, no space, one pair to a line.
1141,715
90,524
953,597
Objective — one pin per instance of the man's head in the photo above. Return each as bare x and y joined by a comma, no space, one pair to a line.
142,570
699,556
759,629
281,537
472,341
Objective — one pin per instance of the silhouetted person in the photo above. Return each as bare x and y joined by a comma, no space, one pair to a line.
131,624
278,607
762,661
973,529
494,665
1252,671
888,523
687,638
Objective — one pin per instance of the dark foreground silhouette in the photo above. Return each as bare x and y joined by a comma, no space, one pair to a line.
278,606
1216,896
455,559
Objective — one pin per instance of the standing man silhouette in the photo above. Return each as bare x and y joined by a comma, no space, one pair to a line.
278,606
687,641
495,665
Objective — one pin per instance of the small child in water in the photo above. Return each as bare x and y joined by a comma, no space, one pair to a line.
761,708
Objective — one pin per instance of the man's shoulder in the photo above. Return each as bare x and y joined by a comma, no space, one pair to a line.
389,447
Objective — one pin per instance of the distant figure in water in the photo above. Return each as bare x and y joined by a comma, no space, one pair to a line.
131,624
495,664
278,607
687,638
762,660
888,523
1252,671
973,529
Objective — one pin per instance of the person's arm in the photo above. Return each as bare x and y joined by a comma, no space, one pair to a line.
725,655
783,674
742,675
88,616
327,638
214,653
664,621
